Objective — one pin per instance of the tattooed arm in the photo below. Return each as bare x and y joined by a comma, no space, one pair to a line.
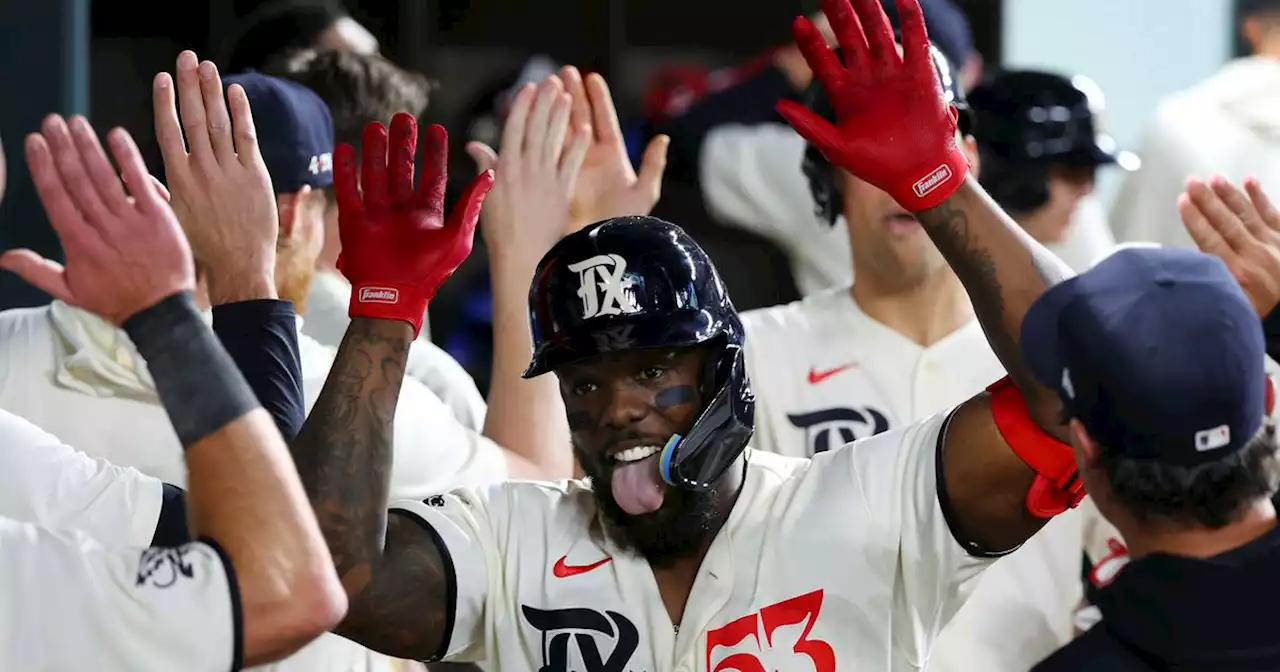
1004,271
393,571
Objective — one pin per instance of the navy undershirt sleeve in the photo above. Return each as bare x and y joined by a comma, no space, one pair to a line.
262,338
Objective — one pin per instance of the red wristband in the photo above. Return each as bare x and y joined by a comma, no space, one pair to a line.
386,301
1057,486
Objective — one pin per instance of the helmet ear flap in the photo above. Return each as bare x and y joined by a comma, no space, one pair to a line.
718,367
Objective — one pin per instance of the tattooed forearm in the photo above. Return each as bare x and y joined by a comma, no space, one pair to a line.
1002,268
344,456
948,226
344,450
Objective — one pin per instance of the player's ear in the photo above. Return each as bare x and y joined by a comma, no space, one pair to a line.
1087,449
289,207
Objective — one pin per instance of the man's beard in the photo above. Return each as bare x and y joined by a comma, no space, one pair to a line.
672,532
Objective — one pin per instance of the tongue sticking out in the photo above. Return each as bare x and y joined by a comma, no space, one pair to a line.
637,486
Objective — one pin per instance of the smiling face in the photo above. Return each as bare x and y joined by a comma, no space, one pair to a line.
622,409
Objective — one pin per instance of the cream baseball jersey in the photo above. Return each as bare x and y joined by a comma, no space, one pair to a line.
844,562
48,483
71,604
826,373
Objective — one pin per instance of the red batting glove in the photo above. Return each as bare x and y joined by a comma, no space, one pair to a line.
397,248
894,130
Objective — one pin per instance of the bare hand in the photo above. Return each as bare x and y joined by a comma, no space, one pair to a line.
1243,231
219,182
534,176
124,250
608,186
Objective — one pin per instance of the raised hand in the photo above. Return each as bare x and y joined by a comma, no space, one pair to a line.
397,247
607,185
893,129
1243,230
124,249
536,173
220,187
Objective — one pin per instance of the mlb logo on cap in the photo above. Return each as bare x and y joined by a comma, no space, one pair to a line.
1213,439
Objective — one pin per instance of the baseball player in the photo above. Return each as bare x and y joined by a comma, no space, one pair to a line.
898,345
252,588
1187,475
1240,226
684,549
1041,146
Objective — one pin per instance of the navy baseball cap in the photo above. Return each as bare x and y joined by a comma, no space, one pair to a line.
947,24
295,131
1156,351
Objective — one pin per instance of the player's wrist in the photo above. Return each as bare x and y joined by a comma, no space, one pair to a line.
238,287
932,182
389,301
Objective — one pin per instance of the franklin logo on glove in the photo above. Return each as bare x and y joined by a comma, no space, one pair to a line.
379,295
932,181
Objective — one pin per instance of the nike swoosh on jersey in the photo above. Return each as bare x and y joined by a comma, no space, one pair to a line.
816,376
563,570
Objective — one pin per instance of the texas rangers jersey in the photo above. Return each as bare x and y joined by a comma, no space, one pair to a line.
825,373
844,562
71,604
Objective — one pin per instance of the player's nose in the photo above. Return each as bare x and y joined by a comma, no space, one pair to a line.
627,405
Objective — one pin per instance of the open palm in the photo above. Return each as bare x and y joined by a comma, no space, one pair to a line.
608,186
1242,228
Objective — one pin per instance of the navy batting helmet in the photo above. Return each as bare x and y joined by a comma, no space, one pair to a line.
630,283
1028,120
819,172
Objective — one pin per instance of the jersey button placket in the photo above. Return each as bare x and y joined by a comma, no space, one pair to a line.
924,386
711,591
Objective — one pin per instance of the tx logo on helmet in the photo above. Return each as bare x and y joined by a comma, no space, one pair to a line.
605,289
